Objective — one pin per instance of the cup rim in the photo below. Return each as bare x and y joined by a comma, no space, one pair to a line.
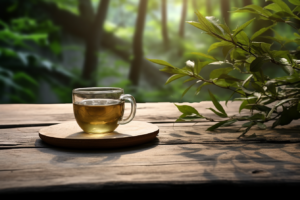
97,90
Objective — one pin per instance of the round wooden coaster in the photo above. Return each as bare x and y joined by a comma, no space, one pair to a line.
69,134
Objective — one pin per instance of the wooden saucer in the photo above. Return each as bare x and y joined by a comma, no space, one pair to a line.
69,134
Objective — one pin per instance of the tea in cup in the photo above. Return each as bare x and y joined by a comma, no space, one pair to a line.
101,109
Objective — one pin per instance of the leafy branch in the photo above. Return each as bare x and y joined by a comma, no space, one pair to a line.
260,94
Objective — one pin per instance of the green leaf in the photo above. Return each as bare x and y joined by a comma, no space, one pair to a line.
249,100
283,6
279,54
280,103
242,27
174,70
272,38
230,97
187,110
258,116
26,77
204,55
184,117
279,15
229,122
247,79
216,103
284,80
288,69
261,125
255,66
190,79
261,31
217,125
229,78
217,72
199,26
9,82
266,48
171,70
218,113
187,89
297,9
226,50
257,87
200,87
199,66
248,124
243,105
274,7
258,107
174,77
220,44
295,2
207,24
238,54
244,10
214,22
272,89
259,9
225,83
226,28
287,116
243,38
161,62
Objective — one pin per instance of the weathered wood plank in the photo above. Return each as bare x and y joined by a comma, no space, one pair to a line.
177,164
34,114
182,133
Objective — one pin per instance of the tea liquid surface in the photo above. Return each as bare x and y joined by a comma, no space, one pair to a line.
98,115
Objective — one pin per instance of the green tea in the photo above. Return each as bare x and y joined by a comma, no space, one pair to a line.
98,115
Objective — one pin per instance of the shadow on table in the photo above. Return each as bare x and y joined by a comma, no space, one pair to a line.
246,162
271,154
82,157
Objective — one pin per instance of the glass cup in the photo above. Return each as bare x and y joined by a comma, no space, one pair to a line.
101,109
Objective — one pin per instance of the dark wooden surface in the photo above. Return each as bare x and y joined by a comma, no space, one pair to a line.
184,157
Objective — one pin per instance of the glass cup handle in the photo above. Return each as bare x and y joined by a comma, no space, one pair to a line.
131,99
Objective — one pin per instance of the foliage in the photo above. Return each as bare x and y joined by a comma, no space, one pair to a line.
20,67
245,57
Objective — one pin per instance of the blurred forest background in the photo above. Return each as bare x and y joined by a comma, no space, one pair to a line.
49,47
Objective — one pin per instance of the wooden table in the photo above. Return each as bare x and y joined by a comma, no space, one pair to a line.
184,159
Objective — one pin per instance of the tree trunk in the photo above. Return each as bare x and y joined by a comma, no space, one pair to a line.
225,7
164,24
136,63
182,20
92,44
181,25
208,8
195,8
86,10
69,22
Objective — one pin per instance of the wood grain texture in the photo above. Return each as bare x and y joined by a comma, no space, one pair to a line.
181,164
70,135
183,154
180,133
35,114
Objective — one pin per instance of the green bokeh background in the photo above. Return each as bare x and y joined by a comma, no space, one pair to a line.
41,62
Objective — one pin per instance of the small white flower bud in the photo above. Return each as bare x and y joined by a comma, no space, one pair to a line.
190,63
